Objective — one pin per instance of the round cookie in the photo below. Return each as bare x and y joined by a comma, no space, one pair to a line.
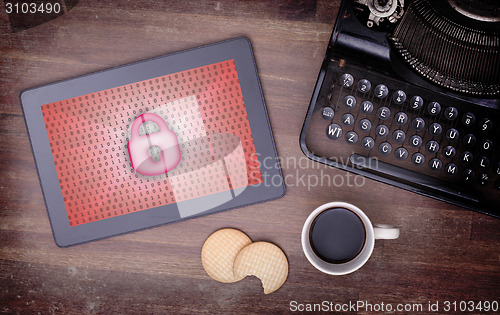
219,252
264,260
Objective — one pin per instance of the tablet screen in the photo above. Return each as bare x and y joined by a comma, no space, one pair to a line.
92,143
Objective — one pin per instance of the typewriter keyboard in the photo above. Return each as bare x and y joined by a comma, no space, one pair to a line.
411,137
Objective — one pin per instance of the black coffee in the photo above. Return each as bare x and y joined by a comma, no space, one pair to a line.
337,235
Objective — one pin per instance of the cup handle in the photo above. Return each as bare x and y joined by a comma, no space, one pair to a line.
385,231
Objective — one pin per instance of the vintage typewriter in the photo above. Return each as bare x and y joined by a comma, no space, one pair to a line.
409,95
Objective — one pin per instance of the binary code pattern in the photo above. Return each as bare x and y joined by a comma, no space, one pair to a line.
204,106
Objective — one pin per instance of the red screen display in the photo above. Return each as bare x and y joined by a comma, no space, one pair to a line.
89,137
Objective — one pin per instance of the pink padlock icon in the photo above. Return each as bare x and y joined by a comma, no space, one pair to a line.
155,153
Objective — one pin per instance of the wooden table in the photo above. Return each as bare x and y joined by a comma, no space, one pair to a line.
444,253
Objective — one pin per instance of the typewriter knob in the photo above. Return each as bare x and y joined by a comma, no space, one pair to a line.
382,10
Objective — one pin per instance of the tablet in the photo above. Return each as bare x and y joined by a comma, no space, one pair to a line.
152,142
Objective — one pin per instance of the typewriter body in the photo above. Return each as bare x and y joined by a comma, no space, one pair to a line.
409,95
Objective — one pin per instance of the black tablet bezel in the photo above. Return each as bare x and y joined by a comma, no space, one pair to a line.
239,49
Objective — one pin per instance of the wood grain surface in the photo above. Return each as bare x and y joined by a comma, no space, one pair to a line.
444,253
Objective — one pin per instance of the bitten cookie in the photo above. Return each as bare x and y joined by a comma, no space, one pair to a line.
219,252
264,260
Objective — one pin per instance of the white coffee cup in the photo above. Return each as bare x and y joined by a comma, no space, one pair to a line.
345,230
